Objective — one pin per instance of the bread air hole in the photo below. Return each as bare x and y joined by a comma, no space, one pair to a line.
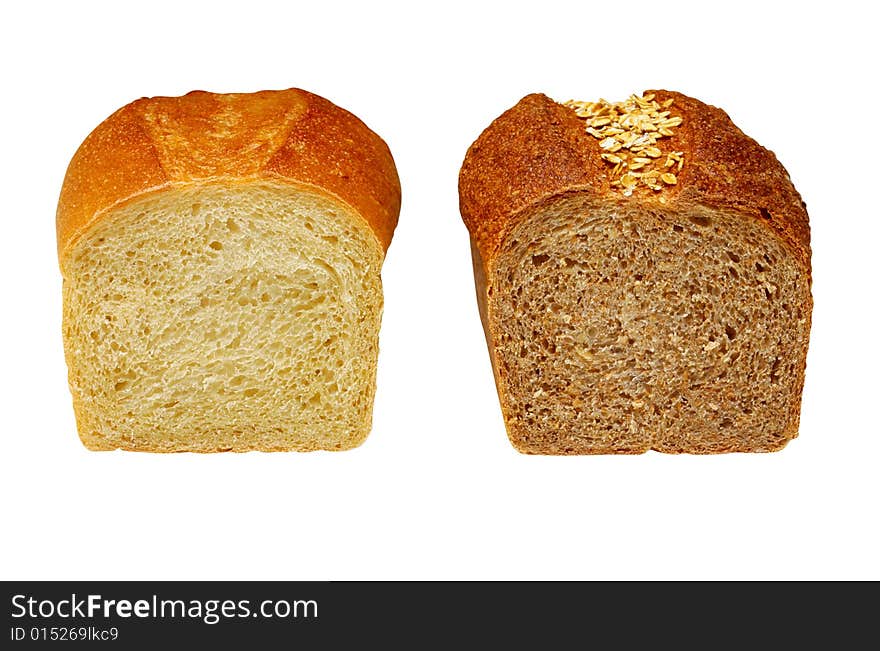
774,371
730,332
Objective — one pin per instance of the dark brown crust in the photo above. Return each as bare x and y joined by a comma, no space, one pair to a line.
536,149
288,136
539,149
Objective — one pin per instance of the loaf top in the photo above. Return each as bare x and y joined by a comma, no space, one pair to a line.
539,149
291,135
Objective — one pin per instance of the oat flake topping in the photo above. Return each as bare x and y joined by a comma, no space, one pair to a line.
628,133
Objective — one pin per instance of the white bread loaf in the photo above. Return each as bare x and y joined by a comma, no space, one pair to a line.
221,258
643,277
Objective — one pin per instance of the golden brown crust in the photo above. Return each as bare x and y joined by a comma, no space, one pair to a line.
117,160
539,149
332,149
289,136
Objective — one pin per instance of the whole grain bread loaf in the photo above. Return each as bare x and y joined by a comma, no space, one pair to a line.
643,277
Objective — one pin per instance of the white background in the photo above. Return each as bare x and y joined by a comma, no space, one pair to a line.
437,492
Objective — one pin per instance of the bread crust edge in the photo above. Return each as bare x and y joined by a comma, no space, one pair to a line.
538,149
322,146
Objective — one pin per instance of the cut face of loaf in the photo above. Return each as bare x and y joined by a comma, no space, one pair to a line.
240,316
620,327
